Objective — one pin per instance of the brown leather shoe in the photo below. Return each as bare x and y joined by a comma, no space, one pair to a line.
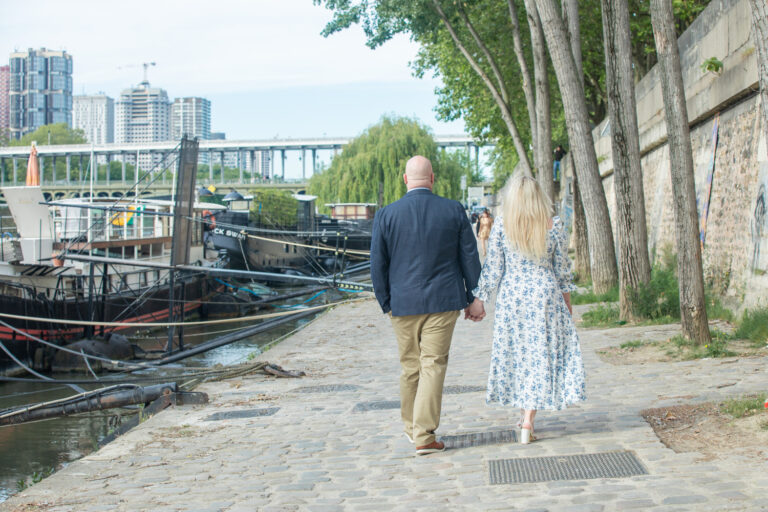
433,447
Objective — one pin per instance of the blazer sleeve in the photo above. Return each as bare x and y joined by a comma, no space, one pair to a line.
469,259
380,264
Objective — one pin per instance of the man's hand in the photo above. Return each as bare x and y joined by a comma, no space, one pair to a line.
475,311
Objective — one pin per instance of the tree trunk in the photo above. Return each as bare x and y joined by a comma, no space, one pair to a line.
525,73
571,18
497,94
543,142
634,264
693,312
760,38
581,260
601,248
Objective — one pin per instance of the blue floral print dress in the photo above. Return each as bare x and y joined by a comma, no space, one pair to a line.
536,358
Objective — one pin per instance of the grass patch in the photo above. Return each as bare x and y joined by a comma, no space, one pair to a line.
633,344
718,347
753,326
590,297
658,302
604,315
745,406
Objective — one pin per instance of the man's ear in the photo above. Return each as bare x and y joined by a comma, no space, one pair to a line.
405,178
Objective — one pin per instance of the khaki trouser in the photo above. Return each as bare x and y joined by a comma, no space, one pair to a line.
423,342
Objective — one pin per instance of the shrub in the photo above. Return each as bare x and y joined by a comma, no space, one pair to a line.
754,326
661,296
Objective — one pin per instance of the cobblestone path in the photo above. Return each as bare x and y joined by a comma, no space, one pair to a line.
325,447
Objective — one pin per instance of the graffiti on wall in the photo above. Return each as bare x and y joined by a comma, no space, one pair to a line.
759,225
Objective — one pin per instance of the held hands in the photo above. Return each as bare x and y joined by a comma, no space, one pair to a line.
475,311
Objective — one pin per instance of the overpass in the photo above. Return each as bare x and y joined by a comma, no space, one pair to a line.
246,155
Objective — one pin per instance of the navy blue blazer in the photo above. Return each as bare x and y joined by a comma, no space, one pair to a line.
423,255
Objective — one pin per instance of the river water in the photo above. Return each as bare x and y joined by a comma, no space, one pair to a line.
32,449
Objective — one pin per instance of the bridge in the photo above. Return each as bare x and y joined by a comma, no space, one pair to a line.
255,160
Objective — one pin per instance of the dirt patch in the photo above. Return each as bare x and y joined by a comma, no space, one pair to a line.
704,428
638,352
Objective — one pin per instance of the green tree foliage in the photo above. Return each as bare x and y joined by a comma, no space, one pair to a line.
273,208
643,45
59,133
379,155
463,94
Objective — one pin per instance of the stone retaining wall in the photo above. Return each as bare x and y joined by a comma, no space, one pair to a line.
736,227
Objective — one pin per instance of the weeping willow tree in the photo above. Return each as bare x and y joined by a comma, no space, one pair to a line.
370,168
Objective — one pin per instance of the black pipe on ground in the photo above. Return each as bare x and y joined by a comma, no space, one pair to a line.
91,401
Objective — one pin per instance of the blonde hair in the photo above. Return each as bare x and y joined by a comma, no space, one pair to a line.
527,211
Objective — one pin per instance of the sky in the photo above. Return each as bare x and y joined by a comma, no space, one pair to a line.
263,63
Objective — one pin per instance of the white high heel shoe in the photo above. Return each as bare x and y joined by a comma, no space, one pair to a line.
526,434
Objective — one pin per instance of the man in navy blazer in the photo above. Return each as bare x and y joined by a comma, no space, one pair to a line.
424,263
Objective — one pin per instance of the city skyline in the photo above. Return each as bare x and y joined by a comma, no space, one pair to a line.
263,65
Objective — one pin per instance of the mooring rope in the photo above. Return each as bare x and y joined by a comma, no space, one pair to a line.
177,324
319,247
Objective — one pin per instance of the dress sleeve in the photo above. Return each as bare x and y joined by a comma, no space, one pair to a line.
561,263
493,267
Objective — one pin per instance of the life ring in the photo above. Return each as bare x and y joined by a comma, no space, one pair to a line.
210,219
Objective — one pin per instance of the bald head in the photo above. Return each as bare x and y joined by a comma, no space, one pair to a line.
418,173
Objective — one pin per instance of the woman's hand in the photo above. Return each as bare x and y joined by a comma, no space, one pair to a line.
475,311
567,297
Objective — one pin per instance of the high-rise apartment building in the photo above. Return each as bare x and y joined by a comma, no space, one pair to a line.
5,106
143,114
265,169
40,90
191,116
95,115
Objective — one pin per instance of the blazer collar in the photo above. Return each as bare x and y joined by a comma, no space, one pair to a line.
419,192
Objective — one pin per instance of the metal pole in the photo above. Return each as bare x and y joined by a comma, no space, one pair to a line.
314,161
210,166
91,291
303,164
104,292
122,157
69,168
15,171
282,159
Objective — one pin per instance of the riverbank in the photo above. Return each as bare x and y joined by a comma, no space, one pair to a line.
329,441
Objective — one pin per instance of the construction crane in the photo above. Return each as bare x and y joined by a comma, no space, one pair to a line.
145,65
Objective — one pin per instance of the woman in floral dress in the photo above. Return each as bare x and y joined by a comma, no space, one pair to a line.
536,359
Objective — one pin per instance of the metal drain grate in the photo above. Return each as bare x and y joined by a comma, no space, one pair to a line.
479,439
243,413
327,388
455,390
376,406
568,467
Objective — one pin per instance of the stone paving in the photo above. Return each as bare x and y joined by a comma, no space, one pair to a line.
319,453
